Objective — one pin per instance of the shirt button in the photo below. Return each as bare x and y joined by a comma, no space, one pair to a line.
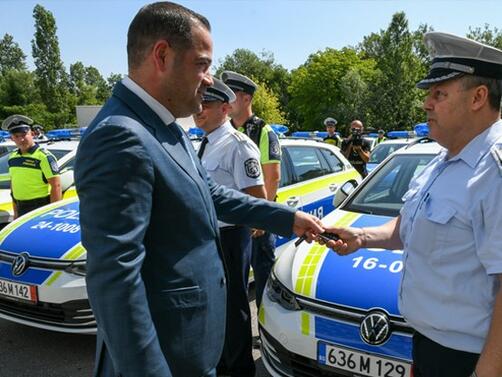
223,281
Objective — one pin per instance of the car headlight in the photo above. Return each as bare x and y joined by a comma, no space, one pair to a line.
78,268
278,293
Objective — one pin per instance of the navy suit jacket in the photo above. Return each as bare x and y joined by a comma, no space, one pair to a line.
148,213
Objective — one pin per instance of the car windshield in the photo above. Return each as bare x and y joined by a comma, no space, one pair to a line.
382,194
381,151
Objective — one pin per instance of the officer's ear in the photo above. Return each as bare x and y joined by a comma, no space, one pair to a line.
479,97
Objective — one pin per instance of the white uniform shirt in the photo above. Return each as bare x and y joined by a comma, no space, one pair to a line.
232,159
451,228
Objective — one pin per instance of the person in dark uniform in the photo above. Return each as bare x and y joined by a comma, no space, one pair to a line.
332,138
356,149
233,160
243,119
34,171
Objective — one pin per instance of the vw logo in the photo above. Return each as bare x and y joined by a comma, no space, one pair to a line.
20,264
375,328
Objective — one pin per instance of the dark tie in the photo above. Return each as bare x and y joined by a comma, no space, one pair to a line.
202,147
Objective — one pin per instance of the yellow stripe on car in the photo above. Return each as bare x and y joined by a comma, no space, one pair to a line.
314,185
305,323
74,253
311,264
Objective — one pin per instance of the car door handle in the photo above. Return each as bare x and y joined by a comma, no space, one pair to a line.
293,201
333,187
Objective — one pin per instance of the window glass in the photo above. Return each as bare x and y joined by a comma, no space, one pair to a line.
382,195
307,163
334,162
381,151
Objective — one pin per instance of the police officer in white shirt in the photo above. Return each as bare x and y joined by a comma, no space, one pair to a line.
233,160
450,226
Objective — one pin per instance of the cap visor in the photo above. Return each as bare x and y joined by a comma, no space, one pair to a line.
436,76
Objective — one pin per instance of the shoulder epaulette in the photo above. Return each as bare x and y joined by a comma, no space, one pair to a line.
239,136
496,152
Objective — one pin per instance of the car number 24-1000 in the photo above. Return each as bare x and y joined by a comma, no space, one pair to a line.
361,363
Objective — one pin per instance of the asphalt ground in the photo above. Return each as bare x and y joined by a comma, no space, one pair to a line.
29,352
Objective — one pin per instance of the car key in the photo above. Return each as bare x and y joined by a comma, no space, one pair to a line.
326,236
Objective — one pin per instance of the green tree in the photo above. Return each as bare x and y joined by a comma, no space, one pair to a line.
395,102
11,55
330,83
52,80
18,88
486,35
266,105
263,68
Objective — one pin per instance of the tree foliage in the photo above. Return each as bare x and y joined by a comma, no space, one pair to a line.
486,35
51,76
394,101
11,55
331,83
263,68
266,105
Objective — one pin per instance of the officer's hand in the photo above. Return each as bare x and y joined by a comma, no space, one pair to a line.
255,233
307,226
351,239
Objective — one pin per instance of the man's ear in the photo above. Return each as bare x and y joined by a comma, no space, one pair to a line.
479,97
162,55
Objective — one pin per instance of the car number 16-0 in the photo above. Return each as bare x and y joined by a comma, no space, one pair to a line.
361,363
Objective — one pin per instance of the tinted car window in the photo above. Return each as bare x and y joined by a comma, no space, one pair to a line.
307,163
334,162
382,195
381,151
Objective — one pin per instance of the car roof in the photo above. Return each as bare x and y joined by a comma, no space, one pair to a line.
421,146
63,144
299,142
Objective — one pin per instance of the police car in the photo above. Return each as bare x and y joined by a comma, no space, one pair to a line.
64,152
329,315
384,149
42,262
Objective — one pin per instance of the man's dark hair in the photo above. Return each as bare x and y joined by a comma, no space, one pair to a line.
494,88
162,20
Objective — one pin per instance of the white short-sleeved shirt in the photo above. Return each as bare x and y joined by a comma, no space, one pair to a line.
232,159
451,229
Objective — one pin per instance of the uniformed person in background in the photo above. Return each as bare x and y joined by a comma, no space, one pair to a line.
38,132
233,160
357,149
381,136
243,119
332,138
451,221
33,170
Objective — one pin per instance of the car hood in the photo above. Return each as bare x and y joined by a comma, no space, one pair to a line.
366,279
52,231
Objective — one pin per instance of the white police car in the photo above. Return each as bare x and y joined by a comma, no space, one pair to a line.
384,149
64,152
42,262
329,315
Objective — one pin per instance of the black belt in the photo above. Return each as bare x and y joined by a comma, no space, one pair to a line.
33,202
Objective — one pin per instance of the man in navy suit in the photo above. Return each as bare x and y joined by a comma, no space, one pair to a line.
149,211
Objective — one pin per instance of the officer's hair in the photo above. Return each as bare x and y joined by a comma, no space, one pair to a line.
494,88
162,20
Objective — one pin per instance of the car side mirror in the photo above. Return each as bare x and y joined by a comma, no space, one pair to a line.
343,192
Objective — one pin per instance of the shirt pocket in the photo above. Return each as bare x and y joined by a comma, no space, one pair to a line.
212,165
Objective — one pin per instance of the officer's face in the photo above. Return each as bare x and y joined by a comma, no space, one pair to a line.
23,140
212,116
187,75
446,106
330,129
240,104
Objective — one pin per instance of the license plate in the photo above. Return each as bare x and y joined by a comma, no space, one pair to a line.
18,291
361,363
